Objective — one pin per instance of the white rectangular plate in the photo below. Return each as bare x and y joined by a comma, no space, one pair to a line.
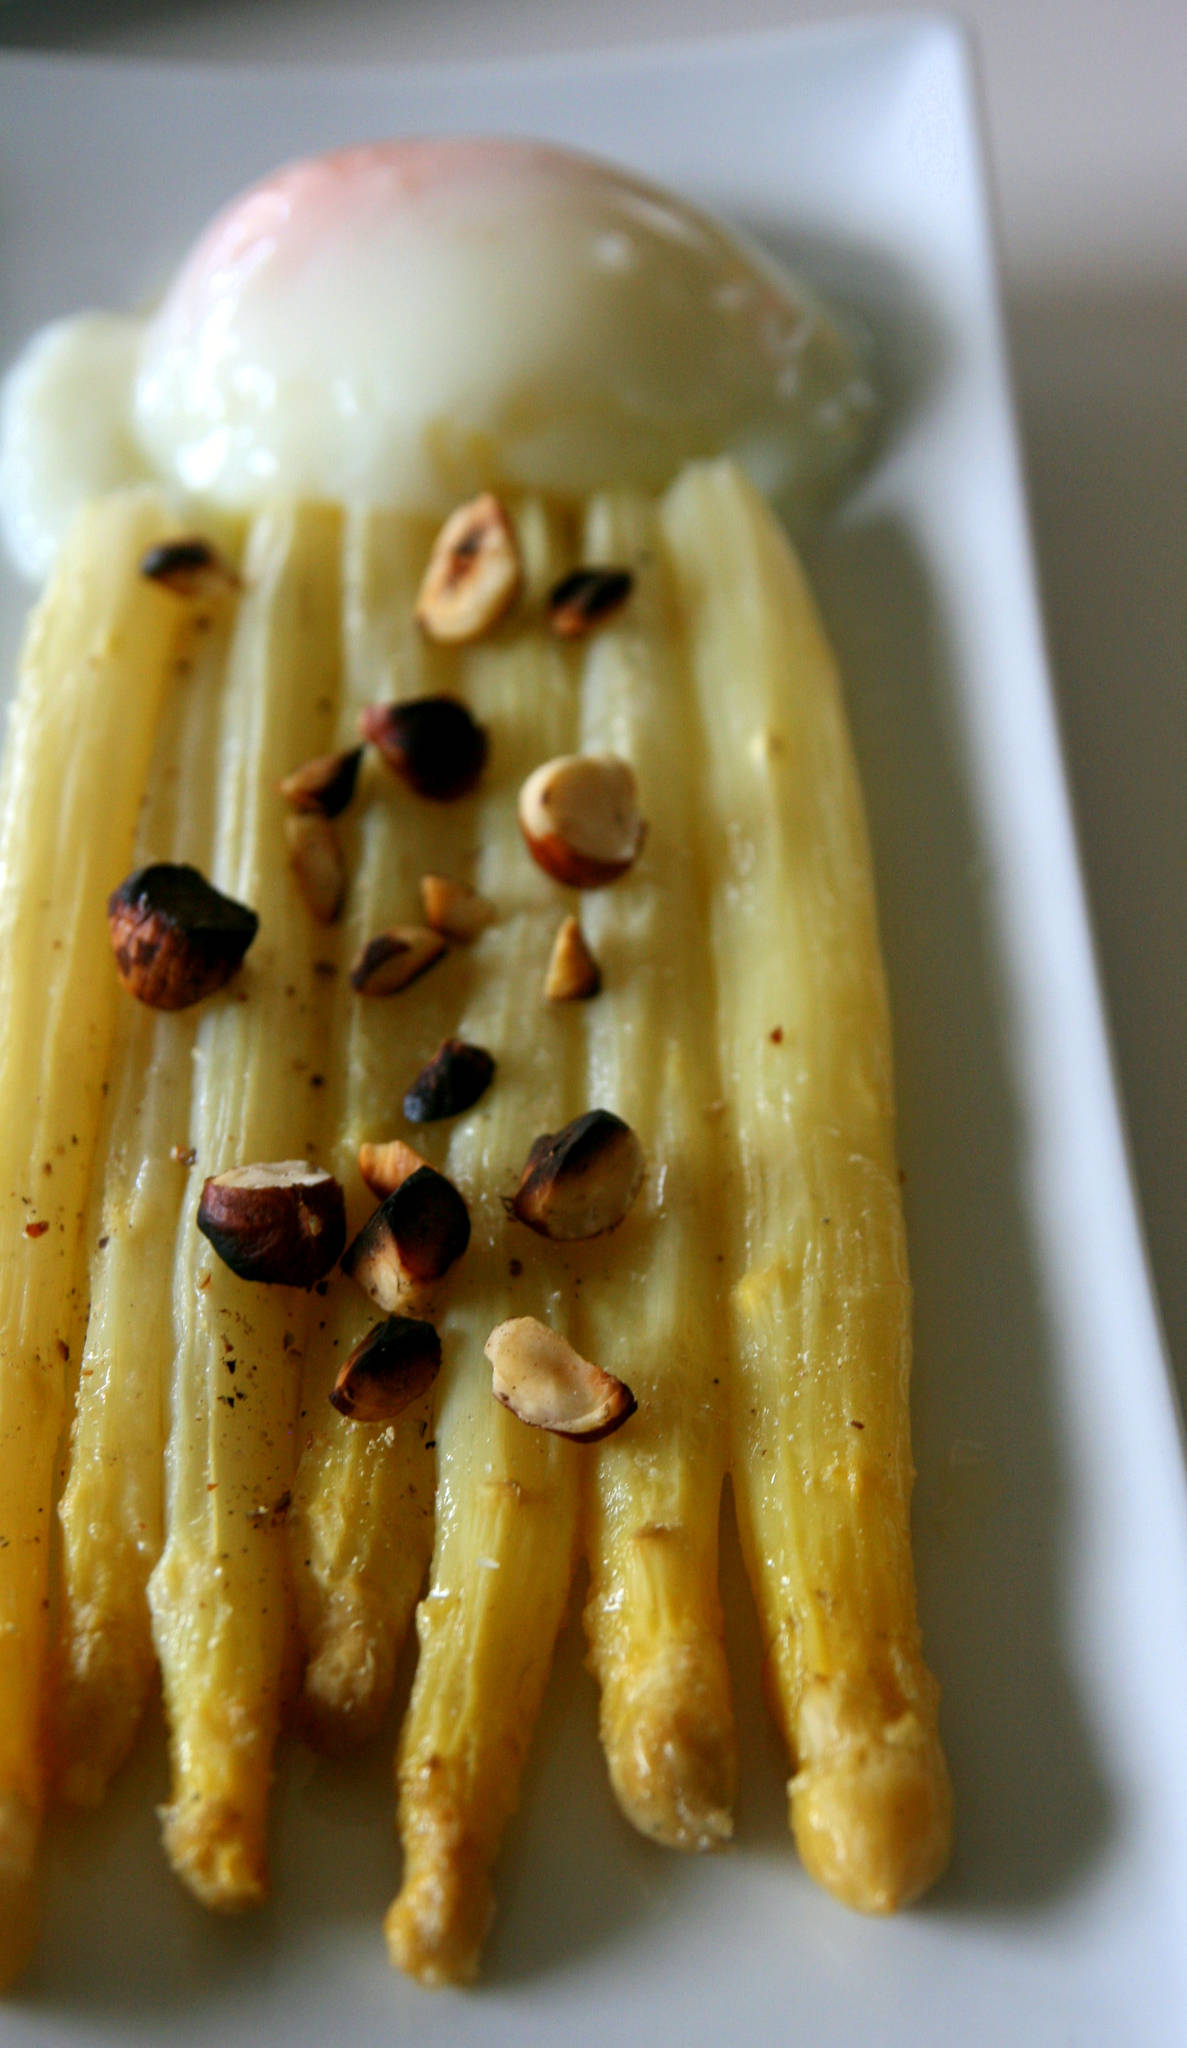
1050,1508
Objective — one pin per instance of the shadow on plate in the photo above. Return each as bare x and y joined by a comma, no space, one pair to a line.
1100,372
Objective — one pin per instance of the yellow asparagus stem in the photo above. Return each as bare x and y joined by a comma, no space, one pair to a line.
507,1495
819,1289
219,1594
95,668
361,1529
650,1299
112,1506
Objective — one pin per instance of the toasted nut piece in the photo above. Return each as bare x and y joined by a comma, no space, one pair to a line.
386,1167
550,1386
573,973
580,818
414,1237
580,1181
392,1367
452,1081
586,599
473,573
454,908
431,741
392,959
283,1223
316,860
325,784
175,938
190,568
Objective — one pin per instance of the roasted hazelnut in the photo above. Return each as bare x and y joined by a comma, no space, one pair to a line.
579,815
392,959
432,742
454,909
414,1237
315,858
540,1377
386,1167
395,1363
473,573
282,1223
452,1081
580,1181
190,568
587,598
325,784
573,973
175,938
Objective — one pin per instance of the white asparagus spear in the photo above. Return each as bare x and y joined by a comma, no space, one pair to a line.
219,1594
112,1506
507,1495
650,1302
96,664
817,1261
360,1529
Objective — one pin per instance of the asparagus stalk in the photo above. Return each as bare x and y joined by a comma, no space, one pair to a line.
219,1594
650,1308
95,668
817,1270
507,1495
113,1504
361,1527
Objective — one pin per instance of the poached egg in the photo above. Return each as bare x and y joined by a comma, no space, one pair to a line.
407,323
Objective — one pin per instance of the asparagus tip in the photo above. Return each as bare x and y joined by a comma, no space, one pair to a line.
218,1853
668,1734
436,1926
872,1813
347,1687
104,1672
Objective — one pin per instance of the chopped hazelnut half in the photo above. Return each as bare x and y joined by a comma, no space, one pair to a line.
395,1363
386,1167
190,568
579,815
176,938
454,908
315,858
432,742
392,959
414,1237
325,784
540,1377
452,1081
283,1223
573,973
473,574
580,1181
587,598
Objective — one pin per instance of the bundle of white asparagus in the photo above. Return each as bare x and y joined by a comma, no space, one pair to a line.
219,1518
